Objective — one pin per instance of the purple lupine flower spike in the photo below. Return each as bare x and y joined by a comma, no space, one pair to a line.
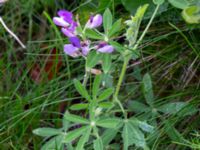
105,48
71,50
94,21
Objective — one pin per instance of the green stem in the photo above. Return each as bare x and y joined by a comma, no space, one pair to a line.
126,60
86,76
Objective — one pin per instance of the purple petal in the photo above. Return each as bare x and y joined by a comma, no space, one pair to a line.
106,49
72,26
71,50
85,48
67,32
75,41
66,15
60,22
94,21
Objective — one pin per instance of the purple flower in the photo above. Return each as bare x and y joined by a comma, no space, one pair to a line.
67,32
60,22
71,50
105,48
66,15
75,41
94,21
85,47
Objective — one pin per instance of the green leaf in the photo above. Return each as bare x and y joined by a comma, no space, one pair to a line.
158,2
142,125
98,144
118,47
132,135
192,14
105,94
53,143
96,85
107,21
137,107
106,105
80,106
115,28
108,136
81,89
92,34
107,80
92,59
107,62
109,123
75,118
147,89
172,108
83,140
182,4
72,135
47,132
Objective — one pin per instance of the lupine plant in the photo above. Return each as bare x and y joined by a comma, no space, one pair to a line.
105,114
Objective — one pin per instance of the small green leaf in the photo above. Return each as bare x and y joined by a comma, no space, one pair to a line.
137,107
192,14
109,123
75,118
132,135
92,34
147,89
107,62
158,2
98,144
115,28
172,108
53,143
80,106
182,4
81,89
106,105
96,85
142,125
83,140
105,94
107,21
47,132
108,136
92,59
72,135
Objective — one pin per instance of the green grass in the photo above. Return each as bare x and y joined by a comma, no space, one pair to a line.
169,54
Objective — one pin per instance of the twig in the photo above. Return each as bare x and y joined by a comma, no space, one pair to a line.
11,33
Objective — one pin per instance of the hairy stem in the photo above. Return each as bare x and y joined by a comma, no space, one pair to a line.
126,60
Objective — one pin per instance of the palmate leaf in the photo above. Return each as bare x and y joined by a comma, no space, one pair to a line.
108,136
116,27
132,135
107,62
